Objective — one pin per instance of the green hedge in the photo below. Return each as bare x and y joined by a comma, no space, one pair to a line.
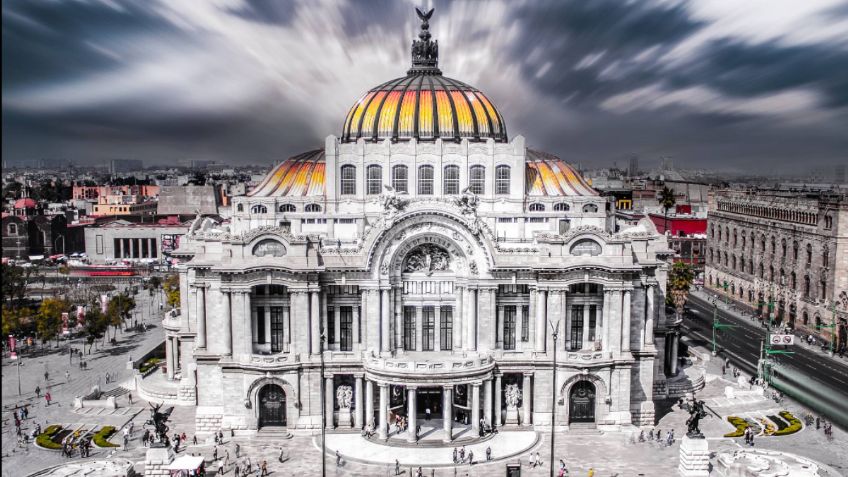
794,424
147,365
101,439
781,424
740,425
45,439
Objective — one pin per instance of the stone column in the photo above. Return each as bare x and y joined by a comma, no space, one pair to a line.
531,320
132,247
120,253
526,399
447,412
170,358
566,323
625,322
329,395
397,331
337,328
314,323
585,345
437,331
383,424
226,299
649,320
458,319
355,330
475,409
287,329
248,323
675,341
201,317
471,312
497,396
494,328
605,341
364,326
541,327
358,400
385,320
369,402
410,413
487,401
500,326
419,328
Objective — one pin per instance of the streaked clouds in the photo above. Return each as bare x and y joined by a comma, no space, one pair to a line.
713,83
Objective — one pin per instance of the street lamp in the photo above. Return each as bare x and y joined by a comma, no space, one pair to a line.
323,411
831,326
717,325
555,334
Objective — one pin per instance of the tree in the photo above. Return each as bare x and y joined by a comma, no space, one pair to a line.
49,319
172,290
15,280
667,201
153,284
16,319
118,310
679,281
95,325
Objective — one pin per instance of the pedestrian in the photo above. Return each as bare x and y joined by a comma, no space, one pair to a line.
282,455
47,397
194,439
264,469
818,423
650,434
338,459
67,376
669,439
659,435
145,437
455,455
419,472
591,472
427,414
46,376
215,453
236,467
238,448
532,460
397,467
220,467
488,453
462,454
129,397
183,437
470,457
38,391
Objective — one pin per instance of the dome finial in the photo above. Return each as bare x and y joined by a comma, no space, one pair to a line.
425,52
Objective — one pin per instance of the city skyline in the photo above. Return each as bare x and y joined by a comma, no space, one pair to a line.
708,84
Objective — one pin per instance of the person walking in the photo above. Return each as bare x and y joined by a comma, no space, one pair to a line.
47,396
338,459
397,467
470,457
591,472
67,376
38,392
129,398
264,469
215,453
220,467
488,453
455,455
238,449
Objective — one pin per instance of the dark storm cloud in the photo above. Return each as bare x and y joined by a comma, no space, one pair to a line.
255,81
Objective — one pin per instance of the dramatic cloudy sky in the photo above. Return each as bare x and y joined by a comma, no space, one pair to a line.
747,85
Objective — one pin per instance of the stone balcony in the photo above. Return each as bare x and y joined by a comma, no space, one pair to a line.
427,368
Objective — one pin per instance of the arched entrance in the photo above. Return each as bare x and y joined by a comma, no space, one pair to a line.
272,406
581,402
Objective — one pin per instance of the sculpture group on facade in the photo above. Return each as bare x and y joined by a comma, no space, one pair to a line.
424,51
344,397
427,258
159,422
696,413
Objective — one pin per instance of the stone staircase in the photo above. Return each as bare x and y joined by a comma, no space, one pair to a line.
114,392
273,433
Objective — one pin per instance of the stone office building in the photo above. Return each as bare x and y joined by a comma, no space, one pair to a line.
788,248
420,261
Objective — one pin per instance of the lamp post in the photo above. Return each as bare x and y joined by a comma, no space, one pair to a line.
554,334
717,326
831,326
323,411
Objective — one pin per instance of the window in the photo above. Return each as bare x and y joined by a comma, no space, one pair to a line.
783,247
477,181
828,222
346,328
509,327
590,208
375,180
451,180
525,323
795,250
537,207
576,337
240,207
348,180
13,229
425,180
258,209
288,208
399,176
446,329
561,207
99,244
807,286
823,290
331,326
502,180
409,328
276,329
809,254
825,257
773,246
312,208
593,320
428,327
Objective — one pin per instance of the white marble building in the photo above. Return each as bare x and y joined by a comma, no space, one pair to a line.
419,261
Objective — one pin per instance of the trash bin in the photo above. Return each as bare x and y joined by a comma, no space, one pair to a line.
513,469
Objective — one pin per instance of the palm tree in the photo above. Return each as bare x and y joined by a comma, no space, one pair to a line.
679,281
667,201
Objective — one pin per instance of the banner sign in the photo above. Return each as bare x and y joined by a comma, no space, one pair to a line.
65,317
782,340
80,316
103,303
12,346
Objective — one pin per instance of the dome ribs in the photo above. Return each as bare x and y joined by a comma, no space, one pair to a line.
390,88
401,101
463,90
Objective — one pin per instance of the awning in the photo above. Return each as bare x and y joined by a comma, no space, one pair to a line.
33,258
186,462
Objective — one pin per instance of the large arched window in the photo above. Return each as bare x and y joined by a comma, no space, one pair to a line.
258,209
537,207
502,180
375,180
561,207
13,229
795,250
477,179
288,208
425,180
240,208
348,180
312,208
400,175
809,253
590,208
807,286
450,181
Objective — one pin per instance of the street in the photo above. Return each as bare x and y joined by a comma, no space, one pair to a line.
808,376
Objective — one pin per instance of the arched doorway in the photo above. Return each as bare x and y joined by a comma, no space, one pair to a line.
272,406
581,402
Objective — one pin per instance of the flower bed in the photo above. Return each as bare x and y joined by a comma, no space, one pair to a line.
101,439
148,365
740,425
768,428
793,427
46,438
781,424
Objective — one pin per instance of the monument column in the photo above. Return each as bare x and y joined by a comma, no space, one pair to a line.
385,320
649,320
170,358
475,409
314,323
487,401
541,308
585,345
412,435
382,424
625,322
470,306
526,399
358,400
497,422
369,402
228,322
447,412
458,319
201,316
329,395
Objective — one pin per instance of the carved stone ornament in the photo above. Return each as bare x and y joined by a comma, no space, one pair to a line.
513,396
467,202
427,258
269,248
344,397
472,268
392,201
384,269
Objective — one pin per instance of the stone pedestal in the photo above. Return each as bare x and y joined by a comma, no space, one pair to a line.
157,461
345,418
512,415
694,458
